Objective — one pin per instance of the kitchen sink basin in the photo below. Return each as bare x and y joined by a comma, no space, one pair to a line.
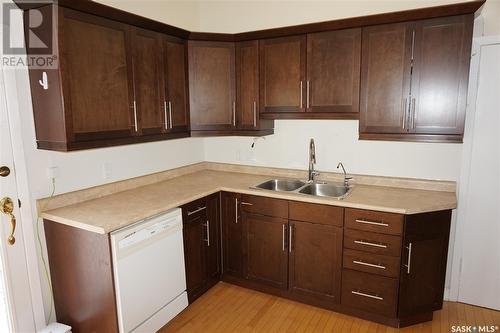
325,190
281,185
320,189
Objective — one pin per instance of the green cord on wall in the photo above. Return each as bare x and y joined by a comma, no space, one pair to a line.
42,256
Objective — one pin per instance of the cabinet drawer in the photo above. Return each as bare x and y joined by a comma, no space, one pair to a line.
368,220
195,210
264,206
368,292
372,242
314,213
371,263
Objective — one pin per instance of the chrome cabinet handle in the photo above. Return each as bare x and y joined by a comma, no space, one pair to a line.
283,238
290,230
359,262
307,94
254,114
170,114
234,113
165,114
236,211
381,224
362,242
207,226
412,113
135,116
196,210
301,94
408,264
246,203
359,293
405,117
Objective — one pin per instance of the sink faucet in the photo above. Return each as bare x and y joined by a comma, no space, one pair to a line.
346,179
312,160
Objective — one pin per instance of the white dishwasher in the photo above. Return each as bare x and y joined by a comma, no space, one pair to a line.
148,267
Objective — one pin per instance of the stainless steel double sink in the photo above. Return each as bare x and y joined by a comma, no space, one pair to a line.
320,189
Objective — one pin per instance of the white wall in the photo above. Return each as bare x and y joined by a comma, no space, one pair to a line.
179,13
337,140
244,15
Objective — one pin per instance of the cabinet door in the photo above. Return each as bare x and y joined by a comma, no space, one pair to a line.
423,269
333,70
148,82
232,234
266,249
247,84
211,85
175,65
195,257
212,239
440,75
282,74
97,77
315,261
385,78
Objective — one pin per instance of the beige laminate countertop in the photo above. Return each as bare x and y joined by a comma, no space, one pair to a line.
115,211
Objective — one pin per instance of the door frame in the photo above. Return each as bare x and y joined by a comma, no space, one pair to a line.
460,226
27,211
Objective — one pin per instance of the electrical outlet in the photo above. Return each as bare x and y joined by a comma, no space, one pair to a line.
107,171
53,172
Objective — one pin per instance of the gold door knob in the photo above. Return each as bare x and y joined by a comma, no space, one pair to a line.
7,207
4,171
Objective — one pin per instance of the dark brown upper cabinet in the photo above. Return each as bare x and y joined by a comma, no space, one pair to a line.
414,80
125,79
440,75
108,89
247,84
94,75
224,91
149,116
211,86
283,74
385,78
333,71
311,76
175,104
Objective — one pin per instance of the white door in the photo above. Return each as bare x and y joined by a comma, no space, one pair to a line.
479,202
16,310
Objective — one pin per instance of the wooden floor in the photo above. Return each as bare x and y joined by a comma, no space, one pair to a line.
228,308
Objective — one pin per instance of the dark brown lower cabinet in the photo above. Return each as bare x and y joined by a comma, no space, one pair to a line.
423,270
384,267
232,234
266,249
315,261
201,245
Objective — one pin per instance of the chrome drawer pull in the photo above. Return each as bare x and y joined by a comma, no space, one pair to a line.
408,265
382,224
196,210
236,211
358,262
359,293
207,226
283,239
362,242
246,203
